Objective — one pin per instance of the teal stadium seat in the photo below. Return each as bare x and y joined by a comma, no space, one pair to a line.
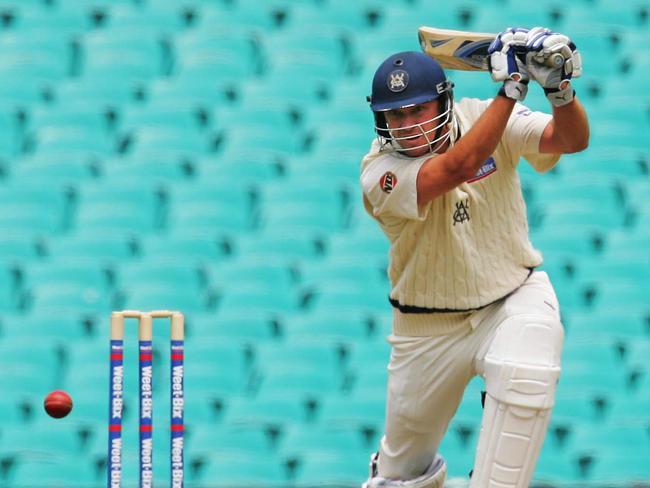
83,272
154,17
25,63
319,50
162,296
19,94
240,15
61,19
98,91
618,294
63,170
200,249
290,217
333,17
334,271
70,297
103,248
249,271
631,410
154,167
307,383
10,287
215,63
619,165
528,15
246,167
119,208
321,440
20,248
335,168
123,52
243,327
351,296
33,209
370,246
272,115
305,355
629,445
227,471
160,140
82,140
154,273
327,327
191,89
229,208
39,41
275,411
618,326
336,469
231,440
73,116
357,413
271,244
28,375
162,114
12,413
52,473
370,383
204,155
223,46
42,438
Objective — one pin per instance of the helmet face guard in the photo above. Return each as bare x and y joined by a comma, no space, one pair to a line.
404,80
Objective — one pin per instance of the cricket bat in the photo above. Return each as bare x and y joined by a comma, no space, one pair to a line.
462,50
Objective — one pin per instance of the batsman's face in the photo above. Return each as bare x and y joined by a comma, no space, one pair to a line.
414,126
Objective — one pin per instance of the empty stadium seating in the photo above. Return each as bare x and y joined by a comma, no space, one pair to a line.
204,155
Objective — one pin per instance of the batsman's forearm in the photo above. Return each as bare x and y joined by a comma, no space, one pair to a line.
471,150
572,126
446,171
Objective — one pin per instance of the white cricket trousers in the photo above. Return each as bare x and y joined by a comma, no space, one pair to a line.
427,374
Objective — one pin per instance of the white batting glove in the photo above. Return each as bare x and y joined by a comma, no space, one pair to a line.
507,62
553,60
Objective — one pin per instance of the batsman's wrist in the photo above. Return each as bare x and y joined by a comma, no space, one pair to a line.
559,98
515,90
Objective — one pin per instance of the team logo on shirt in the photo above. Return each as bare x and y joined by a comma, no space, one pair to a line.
461,215
489,167
388,182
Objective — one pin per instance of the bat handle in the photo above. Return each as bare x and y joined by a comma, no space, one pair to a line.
554,60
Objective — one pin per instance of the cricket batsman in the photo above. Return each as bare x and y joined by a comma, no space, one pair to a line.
441,181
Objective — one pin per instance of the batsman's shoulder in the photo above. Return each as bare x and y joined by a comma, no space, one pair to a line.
468,110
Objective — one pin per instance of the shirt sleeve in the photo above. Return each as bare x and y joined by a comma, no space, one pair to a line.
523,133
389,186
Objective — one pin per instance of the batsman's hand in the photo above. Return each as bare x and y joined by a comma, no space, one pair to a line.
544,45
507,62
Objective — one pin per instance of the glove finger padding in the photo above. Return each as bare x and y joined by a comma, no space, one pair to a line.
553,61
507,62
555,81
507,55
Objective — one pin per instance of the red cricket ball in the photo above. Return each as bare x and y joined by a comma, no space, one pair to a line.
58,404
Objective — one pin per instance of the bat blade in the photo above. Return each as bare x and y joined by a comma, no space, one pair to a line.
467,51
454,49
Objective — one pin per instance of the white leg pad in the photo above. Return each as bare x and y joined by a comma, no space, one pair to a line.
520,395
434,477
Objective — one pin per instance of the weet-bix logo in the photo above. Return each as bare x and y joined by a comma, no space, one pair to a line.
489,167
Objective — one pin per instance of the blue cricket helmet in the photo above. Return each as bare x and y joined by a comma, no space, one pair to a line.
405,79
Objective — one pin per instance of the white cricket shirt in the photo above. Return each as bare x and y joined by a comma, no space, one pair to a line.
468,247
